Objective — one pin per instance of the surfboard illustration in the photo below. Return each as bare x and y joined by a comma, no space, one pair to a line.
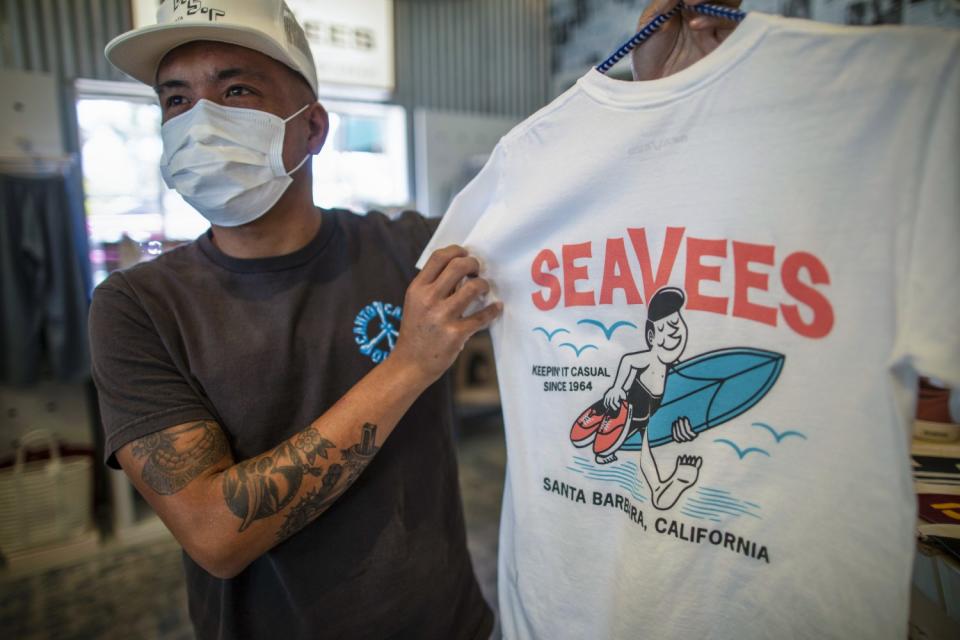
709,390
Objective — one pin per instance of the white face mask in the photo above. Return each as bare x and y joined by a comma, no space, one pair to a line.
226,162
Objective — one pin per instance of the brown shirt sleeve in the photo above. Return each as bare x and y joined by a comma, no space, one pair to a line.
140,390
416,229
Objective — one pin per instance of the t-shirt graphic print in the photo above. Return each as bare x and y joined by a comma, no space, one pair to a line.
718,287
656,392
655,400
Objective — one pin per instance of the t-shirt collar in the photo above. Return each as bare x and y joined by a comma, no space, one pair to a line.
273,263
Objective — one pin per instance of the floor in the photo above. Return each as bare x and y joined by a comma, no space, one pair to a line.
129,592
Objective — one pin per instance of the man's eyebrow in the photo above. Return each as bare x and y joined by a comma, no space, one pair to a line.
220,76
235,72
166,85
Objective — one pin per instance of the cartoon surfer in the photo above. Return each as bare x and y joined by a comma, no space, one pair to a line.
636,393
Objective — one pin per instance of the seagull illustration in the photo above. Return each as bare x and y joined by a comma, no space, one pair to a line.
578,350
779,436
549,334
608,331
742,453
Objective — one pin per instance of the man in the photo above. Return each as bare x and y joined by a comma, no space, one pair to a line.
235,394
636,394
314,490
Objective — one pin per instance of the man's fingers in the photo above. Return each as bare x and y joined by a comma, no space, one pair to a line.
471,290
482,319
683,430
731,4
655,8
439,260
709,24
702,22
455,271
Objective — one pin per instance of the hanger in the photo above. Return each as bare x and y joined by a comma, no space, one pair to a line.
716,11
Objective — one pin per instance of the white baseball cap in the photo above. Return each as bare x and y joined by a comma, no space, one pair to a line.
267,26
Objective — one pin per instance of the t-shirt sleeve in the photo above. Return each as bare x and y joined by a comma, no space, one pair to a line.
929,326
140,389
468,207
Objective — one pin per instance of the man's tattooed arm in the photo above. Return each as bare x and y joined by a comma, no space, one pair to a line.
175,457
181,469
314,502
264,486
227,515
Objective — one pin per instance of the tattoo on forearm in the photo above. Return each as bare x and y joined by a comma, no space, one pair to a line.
176,456
261,487
314,502
357,457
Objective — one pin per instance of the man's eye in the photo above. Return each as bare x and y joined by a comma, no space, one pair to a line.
175,101
236,92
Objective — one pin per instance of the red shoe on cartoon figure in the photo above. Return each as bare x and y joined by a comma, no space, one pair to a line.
613,432
585,428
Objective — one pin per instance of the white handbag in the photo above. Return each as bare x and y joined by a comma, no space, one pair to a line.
44,502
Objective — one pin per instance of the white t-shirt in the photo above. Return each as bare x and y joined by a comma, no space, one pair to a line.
794,198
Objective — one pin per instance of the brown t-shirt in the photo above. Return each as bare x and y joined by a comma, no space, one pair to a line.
264,347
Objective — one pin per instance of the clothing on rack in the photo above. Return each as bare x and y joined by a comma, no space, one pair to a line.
44,279
718,286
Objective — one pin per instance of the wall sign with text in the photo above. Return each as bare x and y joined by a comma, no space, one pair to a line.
352,42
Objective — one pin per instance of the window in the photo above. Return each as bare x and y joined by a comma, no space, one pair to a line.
131,215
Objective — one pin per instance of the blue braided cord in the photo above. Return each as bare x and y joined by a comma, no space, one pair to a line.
657,22
635,41
717,11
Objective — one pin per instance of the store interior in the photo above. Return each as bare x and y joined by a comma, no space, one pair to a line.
419,92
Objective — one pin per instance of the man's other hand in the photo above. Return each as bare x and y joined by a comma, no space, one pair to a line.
683,430
613,398
682,41
434,328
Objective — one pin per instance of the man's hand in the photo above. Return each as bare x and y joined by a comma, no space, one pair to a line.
434,331
614,397
683,430
682,41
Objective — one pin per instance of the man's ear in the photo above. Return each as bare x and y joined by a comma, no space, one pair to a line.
319,122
